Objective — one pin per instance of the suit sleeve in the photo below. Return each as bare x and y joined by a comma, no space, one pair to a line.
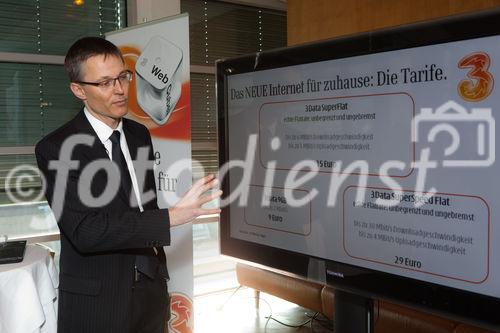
98,229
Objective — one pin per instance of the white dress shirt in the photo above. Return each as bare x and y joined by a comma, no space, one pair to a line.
103,132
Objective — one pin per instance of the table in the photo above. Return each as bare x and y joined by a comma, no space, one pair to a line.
28,293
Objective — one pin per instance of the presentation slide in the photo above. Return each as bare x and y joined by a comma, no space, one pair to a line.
384,161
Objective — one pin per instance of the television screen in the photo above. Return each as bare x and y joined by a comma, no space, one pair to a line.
374,156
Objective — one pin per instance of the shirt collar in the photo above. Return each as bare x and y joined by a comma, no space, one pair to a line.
102,130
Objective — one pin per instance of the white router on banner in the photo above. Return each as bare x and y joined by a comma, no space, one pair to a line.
158,79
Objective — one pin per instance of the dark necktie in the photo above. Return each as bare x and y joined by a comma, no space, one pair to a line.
146,264
119,159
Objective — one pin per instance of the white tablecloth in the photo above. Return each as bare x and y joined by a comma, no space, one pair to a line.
28,294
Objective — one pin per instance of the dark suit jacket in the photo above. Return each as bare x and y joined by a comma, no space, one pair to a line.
99,245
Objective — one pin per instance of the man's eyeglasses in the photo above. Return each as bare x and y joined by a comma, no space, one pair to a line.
124,79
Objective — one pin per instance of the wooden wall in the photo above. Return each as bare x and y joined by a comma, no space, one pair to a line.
311,20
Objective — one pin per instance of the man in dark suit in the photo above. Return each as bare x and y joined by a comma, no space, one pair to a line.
113,274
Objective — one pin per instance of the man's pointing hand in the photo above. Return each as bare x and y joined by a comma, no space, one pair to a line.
189,206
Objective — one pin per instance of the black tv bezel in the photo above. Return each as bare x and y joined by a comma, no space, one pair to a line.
456,304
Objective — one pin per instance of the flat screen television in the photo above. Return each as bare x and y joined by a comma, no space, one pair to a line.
368,162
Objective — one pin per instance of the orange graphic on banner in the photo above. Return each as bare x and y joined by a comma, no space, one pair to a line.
178,126
479,84
182,314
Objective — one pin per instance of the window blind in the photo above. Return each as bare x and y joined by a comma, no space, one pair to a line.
93,18
51,26
203,124
35,98
222,30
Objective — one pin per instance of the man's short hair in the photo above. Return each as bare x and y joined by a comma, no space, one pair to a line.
84,49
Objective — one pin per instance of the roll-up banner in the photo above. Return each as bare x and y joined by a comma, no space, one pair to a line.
159,98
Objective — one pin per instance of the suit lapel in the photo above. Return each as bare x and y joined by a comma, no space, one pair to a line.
133,144
145,178
132,140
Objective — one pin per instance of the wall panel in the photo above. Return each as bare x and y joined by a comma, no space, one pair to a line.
311,20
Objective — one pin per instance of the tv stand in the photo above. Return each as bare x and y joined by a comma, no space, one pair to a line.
387,317
352,313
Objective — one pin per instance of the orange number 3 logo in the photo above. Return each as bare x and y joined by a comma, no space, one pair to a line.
479,84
